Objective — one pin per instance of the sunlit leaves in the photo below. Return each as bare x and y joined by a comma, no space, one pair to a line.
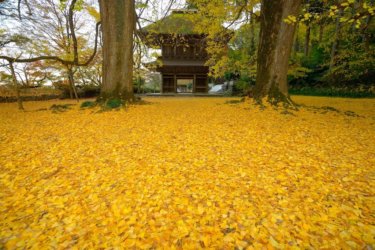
93,12
351,12
290,19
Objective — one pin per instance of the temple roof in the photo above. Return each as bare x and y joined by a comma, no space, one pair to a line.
178,22
179,26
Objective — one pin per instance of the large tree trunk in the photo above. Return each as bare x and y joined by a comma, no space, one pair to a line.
118,20
276,41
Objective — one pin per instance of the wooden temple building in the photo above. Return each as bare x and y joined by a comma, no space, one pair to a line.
183,52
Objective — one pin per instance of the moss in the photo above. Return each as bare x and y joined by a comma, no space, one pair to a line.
88,104
114,103
274,97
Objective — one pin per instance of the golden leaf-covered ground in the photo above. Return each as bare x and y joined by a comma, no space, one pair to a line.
188,173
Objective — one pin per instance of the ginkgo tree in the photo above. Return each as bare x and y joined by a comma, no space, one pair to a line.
275,40
275,44
278,21
118,23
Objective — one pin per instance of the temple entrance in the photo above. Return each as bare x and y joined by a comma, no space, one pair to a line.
183,52
184,82
185,85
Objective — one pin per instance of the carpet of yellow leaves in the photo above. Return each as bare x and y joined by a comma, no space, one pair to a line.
188,173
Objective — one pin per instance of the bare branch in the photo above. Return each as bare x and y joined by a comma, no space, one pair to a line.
73,34
238,15
35,59
95,46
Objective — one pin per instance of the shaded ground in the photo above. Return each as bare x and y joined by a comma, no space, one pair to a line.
188,173
8,94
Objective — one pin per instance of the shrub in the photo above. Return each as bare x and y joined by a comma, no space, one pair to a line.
334,92
243,85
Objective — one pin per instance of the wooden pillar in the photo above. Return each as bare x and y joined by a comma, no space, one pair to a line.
194,82
175,83
206,90
162,84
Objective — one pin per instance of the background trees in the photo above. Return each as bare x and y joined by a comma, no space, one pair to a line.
328,33
337,57
54,34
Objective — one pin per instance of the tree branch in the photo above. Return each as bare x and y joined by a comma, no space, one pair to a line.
238,14
35,59
95,46
56,58
73,34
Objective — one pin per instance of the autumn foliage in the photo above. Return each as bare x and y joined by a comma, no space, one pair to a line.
187,174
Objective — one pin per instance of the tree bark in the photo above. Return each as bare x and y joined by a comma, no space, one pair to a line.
365,33
118,21
307,39
72,85
276,41
16,86
321,32
296,41
336,41
252,33
366,42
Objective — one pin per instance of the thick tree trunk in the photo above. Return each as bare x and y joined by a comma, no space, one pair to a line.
118,20
17,87
276,41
